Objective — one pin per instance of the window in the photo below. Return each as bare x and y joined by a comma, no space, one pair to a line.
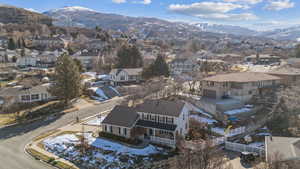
105,128
122,77
170,120
25,97
35,97
111,129
186,126
183,117
119,130
125,131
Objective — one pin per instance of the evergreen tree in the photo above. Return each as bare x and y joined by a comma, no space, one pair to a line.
129,57
79,65
11,44
67,81
158,68
298,51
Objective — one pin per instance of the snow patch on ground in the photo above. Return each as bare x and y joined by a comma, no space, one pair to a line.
105,154
203,119
99,93
237,111
96,121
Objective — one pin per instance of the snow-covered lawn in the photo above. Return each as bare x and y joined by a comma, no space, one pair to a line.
203,119
96,121
102,154
237,111
99,93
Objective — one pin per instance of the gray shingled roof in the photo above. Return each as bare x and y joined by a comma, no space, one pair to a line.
121,116
130,71
162,107
15,91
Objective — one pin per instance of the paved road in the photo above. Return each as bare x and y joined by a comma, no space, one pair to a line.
14,139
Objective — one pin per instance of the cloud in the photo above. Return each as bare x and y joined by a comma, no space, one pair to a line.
145,2
277,5
118,1
252,2
213,10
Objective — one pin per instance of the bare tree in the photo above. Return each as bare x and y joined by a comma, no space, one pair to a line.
203,157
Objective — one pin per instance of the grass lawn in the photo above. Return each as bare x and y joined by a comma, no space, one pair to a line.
49,160
6,119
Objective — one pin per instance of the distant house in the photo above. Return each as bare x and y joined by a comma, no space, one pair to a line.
263,59
286,148
3,41
125,76
21,94
178,66
27,61
51,42
232,90
86,58
158,121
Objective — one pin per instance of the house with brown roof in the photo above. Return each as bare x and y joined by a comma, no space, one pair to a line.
126,76
234,89
288,75
157,121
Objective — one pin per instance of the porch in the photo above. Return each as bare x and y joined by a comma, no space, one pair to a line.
158,133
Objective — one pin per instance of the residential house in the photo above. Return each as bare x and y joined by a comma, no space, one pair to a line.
21,94
233,90
126,76
288,75
263,59
285,148
86,58
27,61
157,121
49,42
3,41
179,66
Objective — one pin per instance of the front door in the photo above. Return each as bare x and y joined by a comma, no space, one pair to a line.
150,132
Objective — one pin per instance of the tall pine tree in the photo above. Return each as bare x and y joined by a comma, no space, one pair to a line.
158,68
11,44
67,81
129,57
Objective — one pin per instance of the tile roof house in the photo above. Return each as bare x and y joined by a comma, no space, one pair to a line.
126,75
158,121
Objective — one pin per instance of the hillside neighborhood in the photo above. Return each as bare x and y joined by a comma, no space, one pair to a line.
133,92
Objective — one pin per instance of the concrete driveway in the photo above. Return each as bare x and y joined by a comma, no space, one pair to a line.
13,139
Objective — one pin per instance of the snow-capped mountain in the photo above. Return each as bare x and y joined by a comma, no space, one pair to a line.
227,29
72,9
292,33
85,17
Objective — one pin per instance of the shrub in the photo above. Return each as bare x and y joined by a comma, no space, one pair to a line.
119,138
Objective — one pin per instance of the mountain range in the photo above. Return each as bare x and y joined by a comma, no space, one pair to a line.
85,17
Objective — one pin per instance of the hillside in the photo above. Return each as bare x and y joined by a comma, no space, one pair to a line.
10,14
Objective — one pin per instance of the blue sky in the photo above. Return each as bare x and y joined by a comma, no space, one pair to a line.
255,14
